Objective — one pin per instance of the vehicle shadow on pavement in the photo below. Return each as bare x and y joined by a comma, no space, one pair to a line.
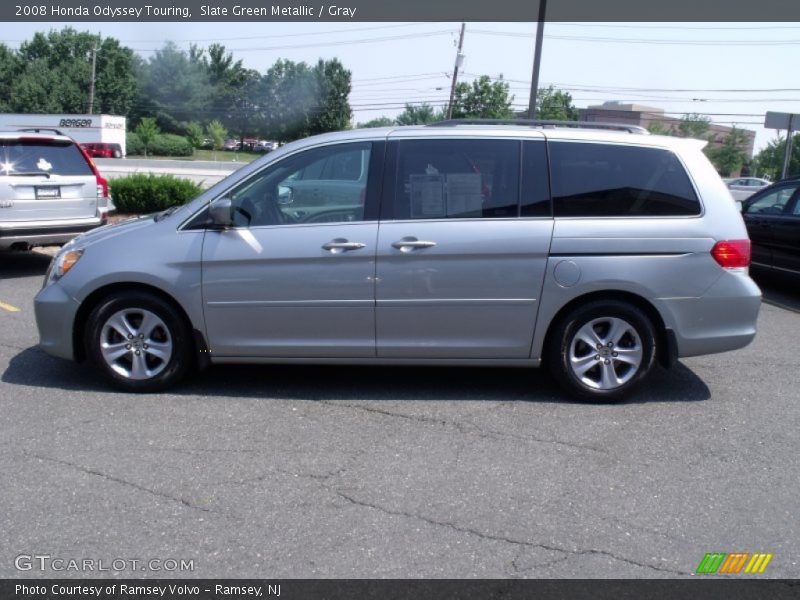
14,265
778,289
32,367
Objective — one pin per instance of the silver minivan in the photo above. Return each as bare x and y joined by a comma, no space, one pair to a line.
50,190
597,252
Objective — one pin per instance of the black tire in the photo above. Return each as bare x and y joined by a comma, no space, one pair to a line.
600,373
170,330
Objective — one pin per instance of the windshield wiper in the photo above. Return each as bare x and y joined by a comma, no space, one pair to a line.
165,213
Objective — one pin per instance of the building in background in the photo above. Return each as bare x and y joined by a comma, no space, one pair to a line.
652,117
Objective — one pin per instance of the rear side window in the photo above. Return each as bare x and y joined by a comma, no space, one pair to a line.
456,179
605,180
54,158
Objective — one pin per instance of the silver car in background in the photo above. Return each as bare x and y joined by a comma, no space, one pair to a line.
596,252
50,190
743,187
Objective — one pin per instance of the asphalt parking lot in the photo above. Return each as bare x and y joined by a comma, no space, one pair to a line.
398,472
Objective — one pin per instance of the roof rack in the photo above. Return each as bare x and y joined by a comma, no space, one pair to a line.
542,123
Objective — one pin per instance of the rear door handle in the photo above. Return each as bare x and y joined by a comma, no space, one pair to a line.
339,245
409,244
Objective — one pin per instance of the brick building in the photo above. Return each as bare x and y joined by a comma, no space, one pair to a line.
647,116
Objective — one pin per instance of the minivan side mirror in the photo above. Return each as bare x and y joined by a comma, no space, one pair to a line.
219,212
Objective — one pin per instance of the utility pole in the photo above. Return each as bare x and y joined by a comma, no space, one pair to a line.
91,83
537,59
787,153
459,62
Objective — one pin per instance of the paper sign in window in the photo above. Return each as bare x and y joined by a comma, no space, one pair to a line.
464,198
427,196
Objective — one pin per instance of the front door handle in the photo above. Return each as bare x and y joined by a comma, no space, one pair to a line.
339,245
409,244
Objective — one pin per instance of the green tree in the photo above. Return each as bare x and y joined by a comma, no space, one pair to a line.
483,99
176,87
658,128
693,125
195,134
217,133
296,100
286,92
730,156
420,114
770,159
331,110
147,131
116,86
379,122
555,105
10,67
54,74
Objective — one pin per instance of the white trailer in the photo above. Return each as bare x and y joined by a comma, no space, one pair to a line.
84,129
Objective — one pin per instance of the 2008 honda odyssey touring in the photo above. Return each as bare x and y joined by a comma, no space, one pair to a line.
597,252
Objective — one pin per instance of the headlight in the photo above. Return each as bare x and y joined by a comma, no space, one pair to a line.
61,264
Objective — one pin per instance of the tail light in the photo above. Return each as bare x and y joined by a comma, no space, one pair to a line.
732,254
102,185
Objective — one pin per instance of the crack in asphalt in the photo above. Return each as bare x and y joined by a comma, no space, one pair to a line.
112,478
464,428
259,478
499,538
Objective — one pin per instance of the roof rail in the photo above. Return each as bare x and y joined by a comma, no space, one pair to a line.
542,123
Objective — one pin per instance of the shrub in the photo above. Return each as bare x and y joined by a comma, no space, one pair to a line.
169,144
164,144
133,145
142,193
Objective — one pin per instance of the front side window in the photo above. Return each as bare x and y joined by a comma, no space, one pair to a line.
456,179
605,180
772,203
322,185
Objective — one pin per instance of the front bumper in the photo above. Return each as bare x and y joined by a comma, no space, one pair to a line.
55,317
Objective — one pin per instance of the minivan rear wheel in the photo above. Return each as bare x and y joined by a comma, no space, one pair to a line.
138,341
603,350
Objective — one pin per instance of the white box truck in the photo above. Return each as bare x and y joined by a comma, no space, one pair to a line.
100,135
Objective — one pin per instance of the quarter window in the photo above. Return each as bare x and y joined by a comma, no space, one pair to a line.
604,180
457,179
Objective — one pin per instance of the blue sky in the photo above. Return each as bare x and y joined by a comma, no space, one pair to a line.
733,72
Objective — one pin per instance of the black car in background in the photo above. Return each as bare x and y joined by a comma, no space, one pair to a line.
772,216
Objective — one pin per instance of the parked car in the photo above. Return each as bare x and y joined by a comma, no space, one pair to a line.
596,252
50,190
772,217
231,144
265,146
744,187
102,150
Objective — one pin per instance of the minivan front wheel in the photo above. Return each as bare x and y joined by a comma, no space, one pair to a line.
603,350
138,341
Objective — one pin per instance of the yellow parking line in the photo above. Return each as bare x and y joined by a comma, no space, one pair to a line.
8,307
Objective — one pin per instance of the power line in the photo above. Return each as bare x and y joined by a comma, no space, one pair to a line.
681,27
348,31
331,43
652,41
